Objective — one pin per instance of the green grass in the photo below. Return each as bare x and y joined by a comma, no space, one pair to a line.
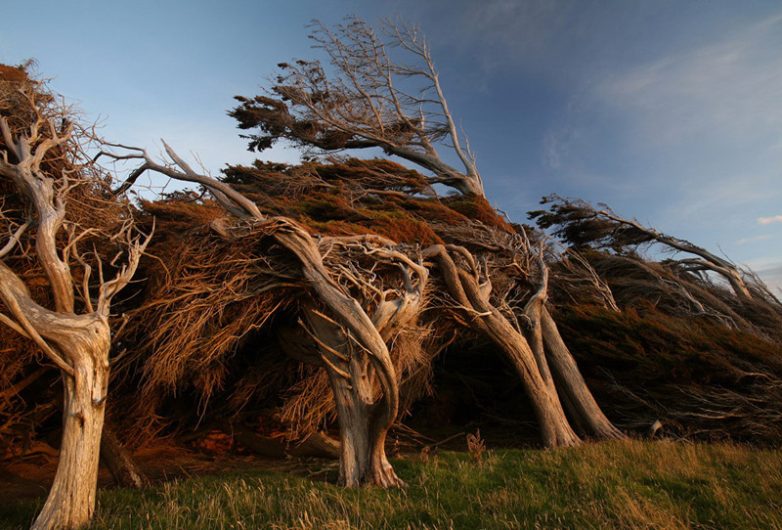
610,485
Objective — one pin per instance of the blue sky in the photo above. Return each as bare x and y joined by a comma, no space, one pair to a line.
669,111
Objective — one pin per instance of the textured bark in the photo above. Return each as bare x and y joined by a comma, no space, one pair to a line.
533,312
578,399
84,340
363,423
120,462
465,289
78,344
71,500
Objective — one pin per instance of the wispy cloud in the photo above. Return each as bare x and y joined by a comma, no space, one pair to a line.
730,86
770,219
752,239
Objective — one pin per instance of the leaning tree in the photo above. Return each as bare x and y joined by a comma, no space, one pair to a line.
366,286
369,98
65,236
351,338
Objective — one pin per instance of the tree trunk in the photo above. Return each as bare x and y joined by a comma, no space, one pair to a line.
71,500
360,408
464,288
578,398
120,462
554,426
363,458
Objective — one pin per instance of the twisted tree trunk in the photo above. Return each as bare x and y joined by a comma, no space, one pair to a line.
363,425
466,290
80,343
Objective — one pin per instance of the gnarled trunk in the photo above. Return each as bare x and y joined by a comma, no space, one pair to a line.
362,454
363,424
465,289
71,500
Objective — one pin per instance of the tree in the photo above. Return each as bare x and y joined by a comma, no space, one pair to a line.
580,224
61,221
371,100
352,321
361,105
350,343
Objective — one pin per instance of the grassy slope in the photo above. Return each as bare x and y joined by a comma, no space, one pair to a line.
610,485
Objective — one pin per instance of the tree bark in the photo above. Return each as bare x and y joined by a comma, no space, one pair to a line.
554,426
578,398
71,500
120,462
464,288
363,424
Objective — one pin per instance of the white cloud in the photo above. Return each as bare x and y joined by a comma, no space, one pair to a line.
745,240
770,219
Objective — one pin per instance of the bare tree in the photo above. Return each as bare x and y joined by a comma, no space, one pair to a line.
55,212
369,99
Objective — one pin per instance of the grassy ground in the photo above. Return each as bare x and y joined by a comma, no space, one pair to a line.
610,485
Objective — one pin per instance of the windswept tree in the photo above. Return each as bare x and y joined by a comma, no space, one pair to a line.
367,286
366,97
365,101
580,225
349,319
69,249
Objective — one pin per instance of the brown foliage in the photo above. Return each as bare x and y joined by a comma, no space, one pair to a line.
699,378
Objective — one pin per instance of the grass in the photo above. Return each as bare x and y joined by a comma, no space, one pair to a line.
610,485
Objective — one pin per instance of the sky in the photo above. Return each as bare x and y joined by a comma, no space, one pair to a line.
668,111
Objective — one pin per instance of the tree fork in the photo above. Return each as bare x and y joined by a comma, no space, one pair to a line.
464,288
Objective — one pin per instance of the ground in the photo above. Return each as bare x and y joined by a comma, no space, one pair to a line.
630,484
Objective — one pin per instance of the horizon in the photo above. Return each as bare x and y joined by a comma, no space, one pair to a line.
668,113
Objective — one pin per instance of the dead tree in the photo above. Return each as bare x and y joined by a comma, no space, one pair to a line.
42,165
371,100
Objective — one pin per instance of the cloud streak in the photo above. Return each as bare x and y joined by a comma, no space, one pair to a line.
770,219
728,88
